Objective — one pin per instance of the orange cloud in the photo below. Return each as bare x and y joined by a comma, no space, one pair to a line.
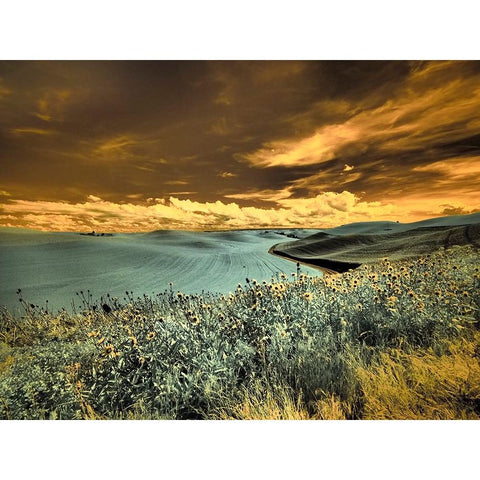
31,131
328,209
455,169
114,148
324,210
318,148
417,117
263,195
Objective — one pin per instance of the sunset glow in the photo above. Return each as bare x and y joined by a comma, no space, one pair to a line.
142,145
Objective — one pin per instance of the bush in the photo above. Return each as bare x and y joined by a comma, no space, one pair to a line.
304,347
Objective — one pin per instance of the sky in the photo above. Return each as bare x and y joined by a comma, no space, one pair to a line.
125,146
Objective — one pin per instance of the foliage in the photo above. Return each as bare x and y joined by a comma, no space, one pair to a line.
389,340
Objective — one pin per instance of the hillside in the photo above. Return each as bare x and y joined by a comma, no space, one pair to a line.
340,249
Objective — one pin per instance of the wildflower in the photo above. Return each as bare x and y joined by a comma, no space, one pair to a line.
134,341
151,335
180,295
109,351
259,294
101,340
94,333
391,300
307,296
142,360
283,276
195,320
411,293
465,294
359,307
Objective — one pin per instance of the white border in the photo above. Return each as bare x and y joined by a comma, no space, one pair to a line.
239,449
248,29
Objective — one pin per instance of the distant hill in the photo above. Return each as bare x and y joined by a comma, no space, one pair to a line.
349,246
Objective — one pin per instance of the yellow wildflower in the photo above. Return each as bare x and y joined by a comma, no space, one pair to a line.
151,335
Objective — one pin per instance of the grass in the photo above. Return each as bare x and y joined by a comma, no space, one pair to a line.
392,340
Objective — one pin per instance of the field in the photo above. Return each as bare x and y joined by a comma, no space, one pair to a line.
55,266
350,246
392,339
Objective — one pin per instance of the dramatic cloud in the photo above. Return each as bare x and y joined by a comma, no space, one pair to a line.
143,145
328,209
419,115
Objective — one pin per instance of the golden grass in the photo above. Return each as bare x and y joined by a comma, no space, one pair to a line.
422,385
265,404
279,403
416,385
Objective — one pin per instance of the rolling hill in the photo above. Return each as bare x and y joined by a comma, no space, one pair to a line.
349,246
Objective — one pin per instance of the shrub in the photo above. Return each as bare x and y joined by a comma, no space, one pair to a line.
308,347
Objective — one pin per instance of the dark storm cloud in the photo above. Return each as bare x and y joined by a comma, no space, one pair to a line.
257,133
